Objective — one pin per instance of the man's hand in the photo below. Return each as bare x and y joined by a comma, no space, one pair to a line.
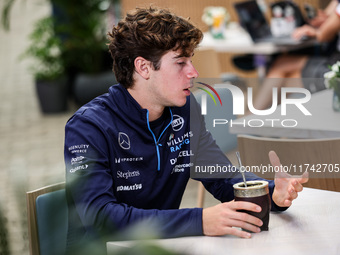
286,186
220,219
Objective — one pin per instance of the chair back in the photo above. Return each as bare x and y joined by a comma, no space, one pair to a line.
320,157
47,220
225,140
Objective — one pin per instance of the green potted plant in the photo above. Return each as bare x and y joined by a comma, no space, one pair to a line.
82,28
47,66
332,81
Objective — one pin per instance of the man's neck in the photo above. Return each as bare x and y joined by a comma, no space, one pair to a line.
155,110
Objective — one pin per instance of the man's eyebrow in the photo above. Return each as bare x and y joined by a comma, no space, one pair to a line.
178,56
183,56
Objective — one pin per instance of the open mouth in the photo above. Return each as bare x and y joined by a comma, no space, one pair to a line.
187,91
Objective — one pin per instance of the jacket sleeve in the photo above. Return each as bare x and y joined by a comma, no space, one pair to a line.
91,193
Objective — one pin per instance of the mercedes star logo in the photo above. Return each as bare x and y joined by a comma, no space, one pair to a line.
123,141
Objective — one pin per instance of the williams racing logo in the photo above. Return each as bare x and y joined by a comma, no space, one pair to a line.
176,144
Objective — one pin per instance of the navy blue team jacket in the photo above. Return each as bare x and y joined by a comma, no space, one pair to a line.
121,169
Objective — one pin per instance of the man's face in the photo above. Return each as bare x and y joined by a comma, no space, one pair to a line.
171,83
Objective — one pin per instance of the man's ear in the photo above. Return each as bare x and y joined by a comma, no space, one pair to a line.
143,67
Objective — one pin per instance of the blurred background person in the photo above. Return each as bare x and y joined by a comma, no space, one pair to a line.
324,28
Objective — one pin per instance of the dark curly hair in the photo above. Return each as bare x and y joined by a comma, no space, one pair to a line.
149,33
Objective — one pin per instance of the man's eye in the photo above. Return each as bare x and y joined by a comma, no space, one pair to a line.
181,63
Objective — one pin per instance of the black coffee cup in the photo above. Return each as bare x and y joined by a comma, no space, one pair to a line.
256,192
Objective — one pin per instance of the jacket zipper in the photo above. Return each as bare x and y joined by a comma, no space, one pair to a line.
156,141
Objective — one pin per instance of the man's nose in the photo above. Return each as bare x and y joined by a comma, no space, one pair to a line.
192,72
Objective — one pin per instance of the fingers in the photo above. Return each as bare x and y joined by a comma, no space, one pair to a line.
287,189
243,219
249,222
296,186
297,182
287,203
293,194
238,225
305,30
293,191
248,206
289,197
304,178
238,232
223,218
275,162
274,159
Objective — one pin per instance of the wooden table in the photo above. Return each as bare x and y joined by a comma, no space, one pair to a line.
237,40
310,226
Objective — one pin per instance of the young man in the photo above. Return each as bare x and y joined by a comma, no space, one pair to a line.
120,148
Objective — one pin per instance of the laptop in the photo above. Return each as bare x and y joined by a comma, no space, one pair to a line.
253,21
